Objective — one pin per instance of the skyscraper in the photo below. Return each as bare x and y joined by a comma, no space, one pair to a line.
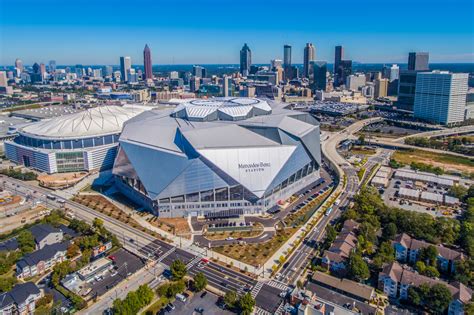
381,88
3,79
42,70
320,69
309,55
36,75
440,96
342,68
147,63
199,72
245,60
52,66
125,66
19,66
286,56
418,61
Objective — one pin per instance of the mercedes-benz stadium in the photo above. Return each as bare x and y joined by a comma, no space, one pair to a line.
222,156
86,140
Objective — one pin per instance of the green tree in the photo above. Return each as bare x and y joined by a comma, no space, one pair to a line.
7,283
431,271
246,304
390,231
72,250
200,281
458,191
98,224
438,299
429,255
178,269
414,296
362,139
230,299
384,255
26,242
358,268
420,267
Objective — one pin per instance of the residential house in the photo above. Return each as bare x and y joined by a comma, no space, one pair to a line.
20,300
335,257
39,261
407,249
46,234
395,280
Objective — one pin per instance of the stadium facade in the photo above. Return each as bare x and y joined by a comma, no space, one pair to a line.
223,156
82,141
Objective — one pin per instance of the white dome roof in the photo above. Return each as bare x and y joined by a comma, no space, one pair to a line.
222,108
96,121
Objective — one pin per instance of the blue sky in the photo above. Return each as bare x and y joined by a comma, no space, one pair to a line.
213,31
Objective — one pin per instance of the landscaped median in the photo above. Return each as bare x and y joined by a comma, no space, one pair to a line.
259,254
234,232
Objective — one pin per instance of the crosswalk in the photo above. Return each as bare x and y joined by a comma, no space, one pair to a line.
280,308
261,311
256,289
193,262
278,285
169,252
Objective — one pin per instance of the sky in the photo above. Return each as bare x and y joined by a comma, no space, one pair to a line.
213,31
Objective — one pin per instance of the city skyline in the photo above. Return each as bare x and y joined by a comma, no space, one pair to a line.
172,35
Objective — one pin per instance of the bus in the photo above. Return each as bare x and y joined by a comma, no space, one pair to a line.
51,197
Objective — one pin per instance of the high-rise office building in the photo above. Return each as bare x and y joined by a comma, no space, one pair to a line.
194,84
3,79
125,66
97,73
226,86
42,70
174,75
392,73
79,70
245,60
418,61
320,69
52,66
199,72
355,81
309,55
407,80
440,97
147,63
36,75
19,66
286,56
381,88
342,68
108,71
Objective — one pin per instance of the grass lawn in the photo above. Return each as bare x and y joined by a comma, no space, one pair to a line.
257,254
357,150
444,161
156,306
256,230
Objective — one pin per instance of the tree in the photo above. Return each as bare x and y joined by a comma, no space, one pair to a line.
385,254
413,296
429,255
7,283
362,139
438,299
98,224
230,299
420,267
390,231
72,250
86,256
26,241
200,281
458,191
357,268
431,271
246,304
178,269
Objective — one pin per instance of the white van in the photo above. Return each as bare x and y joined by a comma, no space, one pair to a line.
181,297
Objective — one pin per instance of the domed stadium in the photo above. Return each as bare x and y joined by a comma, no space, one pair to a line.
223,156
86,140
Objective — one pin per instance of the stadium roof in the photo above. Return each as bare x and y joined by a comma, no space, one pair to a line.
225,108
95,121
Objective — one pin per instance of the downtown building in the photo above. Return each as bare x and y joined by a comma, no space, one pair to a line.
219,157
82,141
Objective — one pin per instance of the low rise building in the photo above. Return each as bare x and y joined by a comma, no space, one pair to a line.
46,234
335,257
41,260
395,280
355,290
21,299
94,268
407,249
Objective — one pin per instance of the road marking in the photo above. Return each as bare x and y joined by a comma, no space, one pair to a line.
256,289
193,262
277,284
261,311
169,252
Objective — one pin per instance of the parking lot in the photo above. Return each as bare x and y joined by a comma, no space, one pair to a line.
207,303
125,264
393,199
